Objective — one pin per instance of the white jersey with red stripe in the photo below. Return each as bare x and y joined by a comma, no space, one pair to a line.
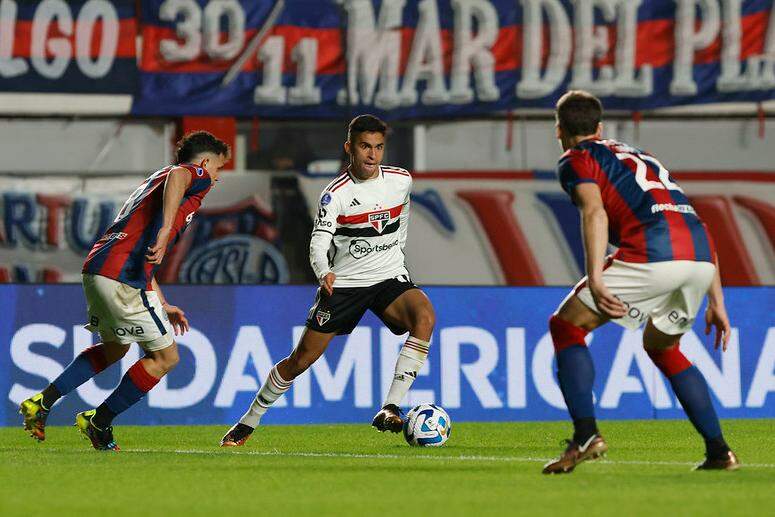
359,232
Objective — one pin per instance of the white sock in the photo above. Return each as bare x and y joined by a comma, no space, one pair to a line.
410,360
272,389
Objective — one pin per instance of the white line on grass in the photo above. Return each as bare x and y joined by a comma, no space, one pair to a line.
523,459
275,452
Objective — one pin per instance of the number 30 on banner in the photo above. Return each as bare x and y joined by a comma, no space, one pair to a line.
199,31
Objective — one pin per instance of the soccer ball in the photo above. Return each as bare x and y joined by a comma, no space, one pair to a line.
427,425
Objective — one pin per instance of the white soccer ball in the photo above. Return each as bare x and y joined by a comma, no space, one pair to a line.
427,425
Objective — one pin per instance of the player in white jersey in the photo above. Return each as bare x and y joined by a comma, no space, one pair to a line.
357,254
363,225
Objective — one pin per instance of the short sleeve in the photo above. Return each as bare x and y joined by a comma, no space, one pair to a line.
200,179
576,166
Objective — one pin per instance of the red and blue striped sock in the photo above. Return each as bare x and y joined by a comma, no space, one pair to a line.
576,373
132,388
692,391
89,363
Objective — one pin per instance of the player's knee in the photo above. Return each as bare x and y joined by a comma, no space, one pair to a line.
425,319
658,346
167,366
173,362
168,361
121,351
655,340
576,313
565,334
670,360
298,364
114,351
297,369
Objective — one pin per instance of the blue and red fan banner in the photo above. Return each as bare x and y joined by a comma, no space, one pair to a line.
79,46
400,59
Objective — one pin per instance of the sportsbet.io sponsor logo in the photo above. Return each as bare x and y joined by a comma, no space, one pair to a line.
236,259
360,248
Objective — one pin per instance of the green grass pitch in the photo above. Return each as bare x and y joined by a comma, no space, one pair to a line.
485,469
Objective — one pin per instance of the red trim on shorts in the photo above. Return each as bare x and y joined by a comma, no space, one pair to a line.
670,361
141,378
565,334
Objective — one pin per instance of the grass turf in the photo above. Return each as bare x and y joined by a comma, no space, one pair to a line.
485,469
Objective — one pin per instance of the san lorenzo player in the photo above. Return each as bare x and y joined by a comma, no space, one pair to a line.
356,252
125,304
664,267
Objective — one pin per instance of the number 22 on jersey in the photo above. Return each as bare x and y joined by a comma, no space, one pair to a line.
641,169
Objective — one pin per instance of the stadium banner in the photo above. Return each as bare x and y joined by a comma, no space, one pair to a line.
520,228
73,47
491,358
492,228
439,58
234,239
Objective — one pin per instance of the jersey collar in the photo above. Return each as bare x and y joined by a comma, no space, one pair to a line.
355,180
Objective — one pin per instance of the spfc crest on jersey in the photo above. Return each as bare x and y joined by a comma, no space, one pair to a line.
322,317
379,220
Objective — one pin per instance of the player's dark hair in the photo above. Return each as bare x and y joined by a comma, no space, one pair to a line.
364,123
199,142
579,113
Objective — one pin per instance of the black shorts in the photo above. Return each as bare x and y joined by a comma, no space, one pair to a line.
342,311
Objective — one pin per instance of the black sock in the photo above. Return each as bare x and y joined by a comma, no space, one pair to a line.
103,417
716,448
50,396
584,429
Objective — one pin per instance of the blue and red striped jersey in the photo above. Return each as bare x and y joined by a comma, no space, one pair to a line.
650,218
120,253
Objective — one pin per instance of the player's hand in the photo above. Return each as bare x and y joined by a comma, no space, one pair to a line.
716,316
608,304
177,318
327,283
156,252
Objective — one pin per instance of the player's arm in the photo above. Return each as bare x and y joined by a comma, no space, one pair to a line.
403,230
175,314
716,313
594,229
178,181
323,230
